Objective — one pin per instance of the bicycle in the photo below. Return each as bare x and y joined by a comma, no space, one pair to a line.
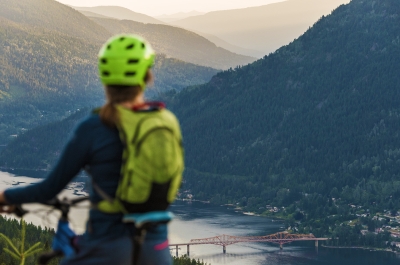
65,240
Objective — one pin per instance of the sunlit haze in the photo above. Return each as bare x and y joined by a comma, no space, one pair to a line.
159,7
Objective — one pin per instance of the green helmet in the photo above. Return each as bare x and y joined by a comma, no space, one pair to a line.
124,60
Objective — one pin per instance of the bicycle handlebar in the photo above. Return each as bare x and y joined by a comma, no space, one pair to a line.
60,204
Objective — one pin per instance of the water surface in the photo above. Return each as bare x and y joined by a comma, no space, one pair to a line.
197,220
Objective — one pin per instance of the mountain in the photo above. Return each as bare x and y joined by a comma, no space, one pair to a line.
116,15
48,65
230,47
118,12
91,14
178,16
263,28
46,15
43,75
311,129
319,116
178,43
27,153
46,75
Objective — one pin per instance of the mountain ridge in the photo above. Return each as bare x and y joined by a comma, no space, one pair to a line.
74,24
184,45
264,28
121,13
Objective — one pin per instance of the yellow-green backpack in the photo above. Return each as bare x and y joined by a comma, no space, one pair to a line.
152,162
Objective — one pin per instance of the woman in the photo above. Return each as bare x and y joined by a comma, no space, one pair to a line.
124,67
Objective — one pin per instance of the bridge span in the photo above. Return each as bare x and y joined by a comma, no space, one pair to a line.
280,238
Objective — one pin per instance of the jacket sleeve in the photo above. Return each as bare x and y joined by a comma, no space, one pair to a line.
73,158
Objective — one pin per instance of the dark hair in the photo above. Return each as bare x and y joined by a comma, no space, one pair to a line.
116,94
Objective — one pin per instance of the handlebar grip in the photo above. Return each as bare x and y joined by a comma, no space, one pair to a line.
46,257
19,211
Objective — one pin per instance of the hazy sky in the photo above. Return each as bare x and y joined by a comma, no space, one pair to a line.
159,7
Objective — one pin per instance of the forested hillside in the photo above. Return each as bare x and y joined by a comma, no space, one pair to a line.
48,65
318,115
313,127
51,15
40,147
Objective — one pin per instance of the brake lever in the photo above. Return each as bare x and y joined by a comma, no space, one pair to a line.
19,211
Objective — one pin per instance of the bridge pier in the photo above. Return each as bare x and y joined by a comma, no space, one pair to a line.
316,243
188,252
177,251
224,249
281,246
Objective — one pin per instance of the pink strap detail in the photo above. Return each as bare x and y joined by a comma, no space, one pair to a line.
154,104
161,246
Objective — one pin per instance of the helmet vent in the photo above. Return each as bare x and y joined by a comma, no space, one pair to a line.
103,61
143,46
106,73
122,39
133,61
130,47
129,74
109,47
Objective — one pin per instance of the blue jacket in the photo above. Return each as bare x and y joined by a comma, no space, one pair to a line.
97,149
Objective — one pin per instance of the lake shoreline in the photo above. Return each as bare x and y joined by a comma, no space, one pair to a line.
362,248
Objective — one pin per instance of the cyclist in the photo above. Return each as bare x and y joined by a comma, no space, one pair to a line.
96,147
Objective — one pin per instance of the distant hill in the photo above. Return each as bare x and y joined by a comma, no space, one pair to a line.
178,43
126,14
118,12
48,72
178,16
31,156
91,14
263,28
51,15
43,76
230,47
319,116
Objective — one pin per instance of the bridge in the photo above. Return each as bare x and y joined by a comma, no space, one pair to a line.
280,238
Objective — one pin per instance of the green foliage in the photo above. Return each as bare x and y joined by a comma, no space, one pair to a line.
21,243
185,260
20,254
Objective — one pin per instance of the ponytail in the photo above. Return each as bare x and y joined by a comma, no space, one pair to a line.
117,94
109,115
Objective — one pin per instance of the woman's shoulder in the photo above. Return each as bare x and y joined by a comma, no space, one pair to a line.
89,122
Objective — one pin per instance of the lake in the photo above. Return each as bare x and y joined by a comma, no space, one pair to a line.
198,220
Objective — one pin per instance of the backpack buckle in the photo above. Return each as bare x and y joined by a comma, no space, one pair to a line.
148,219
